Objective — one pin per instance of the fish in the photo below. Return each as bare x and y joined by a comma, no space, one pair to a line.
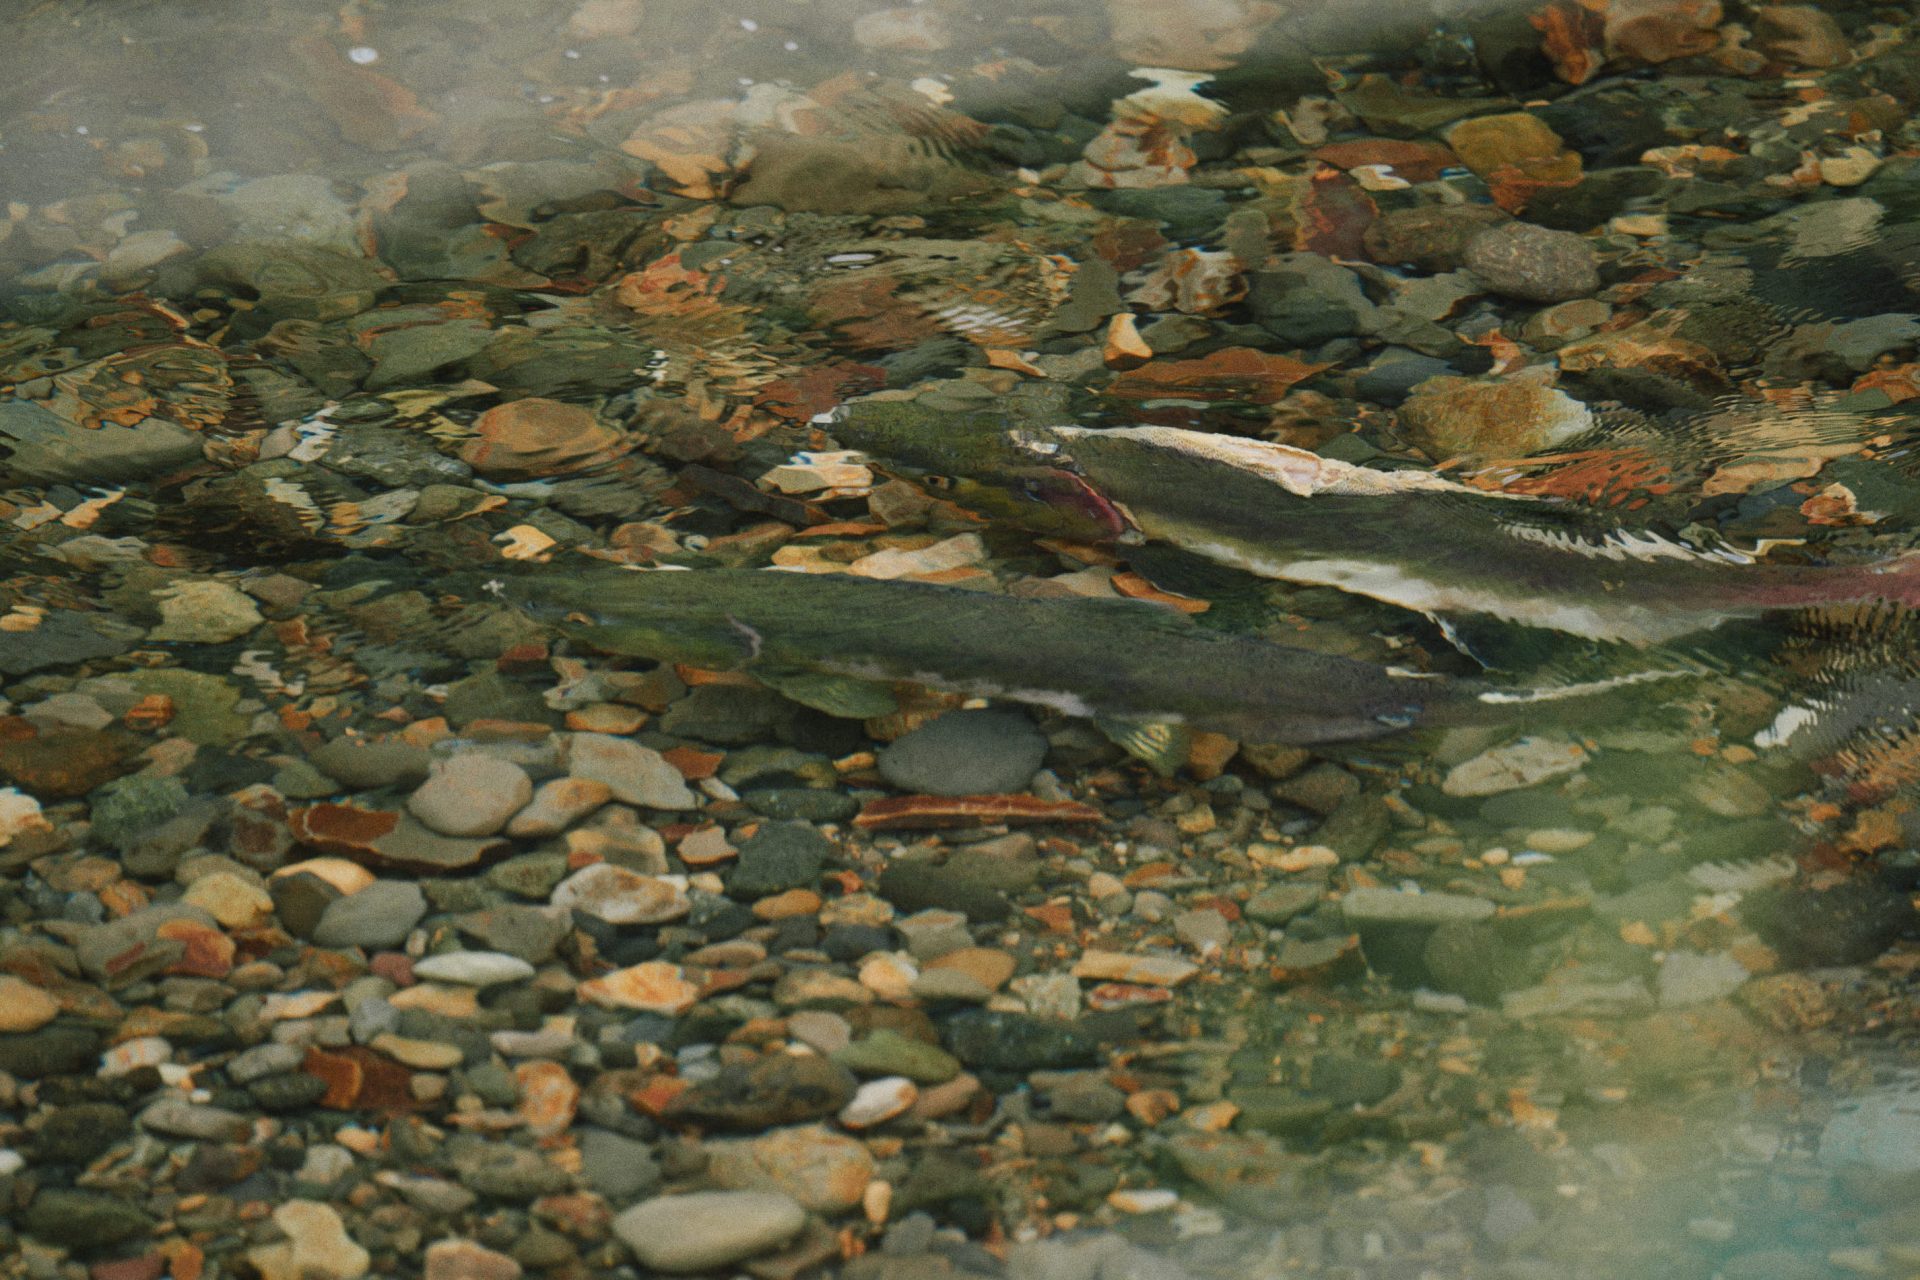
840,642
1426,543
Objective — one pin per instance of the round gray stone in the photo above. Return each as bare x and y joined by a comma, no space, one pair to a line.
966,753
1534,264
380,915
359,764
708,1229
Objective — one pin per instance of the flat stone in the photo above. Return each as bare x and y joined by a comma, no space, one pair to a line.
826,1172
178,1118
531,933
471,795
620,896
1279,903
1391,907
54,1050
778,857
317,1246
652,987
365,764
509,1172
1688,977
998,1041
878,1101
1116,966
819,988
635,774
264,1060
204,612
1524,762
708,1229
426,1055
233,900
473,968
616,1166
820,1030
557,805
24,1007
466,1260
83,1219
1488,144
413,846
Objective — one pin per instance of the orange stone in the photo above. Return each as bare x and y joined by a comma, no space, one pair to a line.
341,828
151,713
653,987
1125,348
348,877
784,906
124,897
526,439
606,717
692,764
209,952
1151,1106
1056,917
984,965
548,1097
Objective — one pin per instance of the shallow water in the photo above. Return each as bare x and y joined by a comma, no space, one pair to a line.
1574,350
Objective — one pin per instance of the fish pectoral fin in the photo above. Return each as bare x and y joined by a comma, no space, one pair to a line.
847,697
1160,745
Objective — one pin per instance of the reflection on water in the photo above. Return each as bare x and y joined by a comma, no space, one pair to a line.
1484,846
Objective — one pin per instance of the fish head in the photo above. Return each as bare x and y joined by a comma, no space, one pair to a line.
554,598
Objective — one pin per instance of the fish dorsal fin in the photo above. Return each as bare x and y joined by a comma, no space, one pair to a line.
1300,472
1622,544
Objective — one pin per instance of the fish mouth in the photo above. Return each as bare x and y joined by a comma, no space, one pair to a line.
1069,492
1057,483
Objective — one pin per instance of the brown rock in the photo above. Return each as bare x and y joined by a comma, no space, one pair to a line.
344,829
465,1260
1662,30
794,902
360,1079
1429,237
59,766
1517,139
526,439
1800,34
24,1007
988,967
1477,419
